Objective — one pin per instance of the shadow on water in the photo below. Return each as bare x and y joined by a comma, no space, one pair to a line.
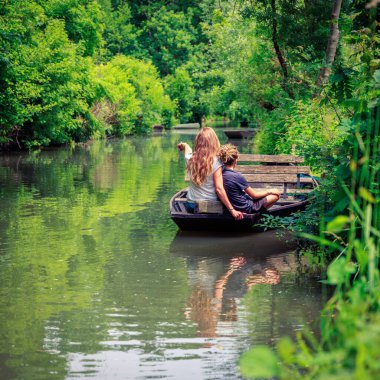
258,245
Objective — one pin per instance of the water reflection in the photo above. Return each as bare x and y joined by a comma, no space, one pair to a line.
230,276
207,307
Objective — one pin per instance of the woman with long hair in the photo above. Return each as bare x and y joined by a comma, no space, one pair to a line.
205,170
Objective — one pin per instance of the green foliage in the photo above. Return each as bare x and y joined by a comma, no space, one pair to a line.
218,58
312,130
169,39
302,26
82,19
45,82
45,79
134,97
180,88
120,35
243,79
118,107
350,322
260,354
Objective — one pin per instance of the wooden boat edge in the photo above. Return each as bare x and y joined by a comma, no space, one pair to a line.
208,221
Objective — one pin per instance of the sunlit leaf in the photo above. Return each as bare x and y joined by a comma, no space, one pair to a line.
321,241
361,254
337,223
286,349
339,271
365,194
260,362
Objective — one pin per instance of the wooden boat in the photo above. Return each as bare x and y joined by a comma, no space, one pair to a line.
278,172
239,133
187,126
223,221
158,128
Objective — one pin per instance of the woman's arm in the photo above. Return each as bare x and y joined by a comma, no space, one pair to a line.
185,148
222,195
255,194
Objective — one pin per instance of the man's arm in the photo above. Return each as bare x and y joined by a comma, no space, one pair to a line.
257,194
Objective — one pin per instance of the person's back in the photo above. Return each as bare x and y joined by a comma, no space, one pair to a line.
235,185
205,191
242,196
201,165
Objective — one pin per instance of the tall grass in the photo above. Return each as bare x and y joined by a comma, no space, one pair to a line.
349,346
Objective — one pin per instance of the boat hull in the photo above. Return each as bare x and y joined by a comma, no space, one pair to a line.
187,221
239,133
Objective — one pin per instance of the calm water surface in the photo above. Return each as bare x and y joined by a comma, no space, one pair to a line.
96,281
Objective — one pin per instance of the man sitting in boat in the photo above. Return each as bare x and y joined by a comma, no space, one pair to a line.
243,197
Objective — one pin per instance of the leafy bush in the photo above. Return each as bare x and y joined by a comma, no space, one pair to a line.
45,90
83,21
305,128
243,79
132,96
180,88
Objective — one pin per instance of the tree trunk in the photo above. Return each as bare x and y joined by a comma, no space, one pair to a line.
280,57
332,45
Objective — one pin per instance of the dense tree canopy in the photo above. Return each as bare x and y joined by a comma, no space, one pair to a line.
256,60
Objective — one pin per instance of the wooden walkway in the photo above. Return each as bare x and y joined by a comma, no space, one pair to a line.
282,172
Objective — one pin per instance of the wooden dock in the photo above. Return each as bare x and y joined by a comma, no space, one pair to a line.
239,133
187,126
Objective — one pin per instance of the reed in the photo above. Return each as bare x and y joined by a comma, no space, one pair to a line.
349,345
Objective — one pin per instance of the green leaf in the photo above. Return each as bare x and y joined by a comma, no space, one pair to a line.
339,271
361,254
365,194
321,241
337,223
286,349
260,362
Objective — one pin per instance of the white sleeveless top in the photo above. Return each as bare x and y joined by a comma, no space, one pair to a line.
207,190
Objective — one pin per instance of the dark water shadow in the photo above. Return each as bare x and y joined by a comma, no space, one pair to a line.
256,245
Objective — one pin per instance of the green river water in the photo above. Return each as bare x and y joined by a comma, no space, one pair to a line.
97,282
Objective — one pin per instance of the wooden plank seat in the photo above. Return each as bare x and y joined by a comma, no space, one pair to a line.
203,206
276,171
272,169
277,178
271,159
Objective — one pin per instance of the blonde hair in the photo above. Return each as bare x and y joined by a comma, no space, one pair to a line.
228,154
206,148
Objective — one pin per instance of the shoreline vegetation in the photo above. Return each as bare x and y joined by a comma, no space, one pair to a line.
305,72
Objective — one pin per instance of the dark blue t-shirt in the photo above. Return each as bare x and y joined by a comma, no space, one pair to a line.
235,184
